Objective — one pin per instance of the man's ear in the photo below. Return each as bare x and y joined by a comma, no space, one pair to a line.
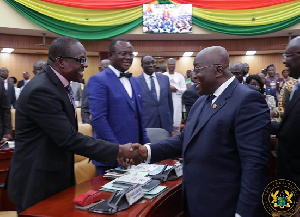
59,62
110,55
219,71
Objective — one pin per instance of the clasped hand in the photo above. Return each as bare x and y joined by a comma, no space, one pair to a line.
131,154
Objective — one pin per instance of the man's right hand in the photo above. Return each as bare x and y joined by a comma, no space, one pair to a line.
133,153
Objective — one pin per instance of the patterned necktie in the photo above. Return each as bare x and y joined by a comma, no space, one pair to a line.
71,97
297,86
153,90
125,74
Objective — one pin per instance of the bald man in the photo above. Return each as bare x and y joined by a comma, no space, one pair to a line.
225,145
237,69
288,166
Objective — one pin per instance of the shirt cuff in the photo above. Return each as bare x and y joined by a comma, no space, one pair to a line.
149,153
237,215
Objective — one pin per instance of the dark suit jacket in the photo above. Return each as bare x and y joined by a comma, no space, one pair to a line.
46,140
189,97
20,84
115,116
5,115
288,154
11,94
157,114
225,156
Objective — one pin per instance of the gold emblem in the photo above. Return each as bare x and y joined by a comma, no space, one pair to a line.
214,106
280,196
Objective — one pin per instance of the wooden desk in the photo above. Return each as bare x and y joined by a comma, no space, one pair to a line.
5,157
61,204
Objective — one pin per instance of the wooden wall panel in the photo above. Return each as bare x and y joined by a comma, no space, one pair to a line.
256,63
259,62
258,44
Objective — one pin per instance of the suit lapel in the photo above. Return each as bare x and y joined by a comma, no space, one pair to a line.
116,81
290,106
220,102
64,93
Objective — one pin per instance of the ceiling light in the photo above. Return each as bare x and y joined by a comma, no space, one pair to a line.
250,52
187,54
7,50
135,53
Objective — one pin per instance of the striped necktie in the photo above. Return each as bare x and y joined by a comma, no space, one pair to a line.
71,97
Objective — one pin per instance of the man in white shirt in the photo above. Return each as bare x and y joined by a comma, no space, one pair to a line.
177,86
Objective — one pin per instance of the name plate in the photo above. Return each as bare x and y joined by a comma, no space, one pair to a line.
134,195
178,170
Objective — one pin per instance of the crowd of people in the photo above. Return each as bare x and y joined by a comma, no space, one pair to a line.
225,143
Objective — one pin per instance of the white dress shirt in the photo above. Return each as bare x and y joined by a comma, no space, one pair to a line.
148,81
125,81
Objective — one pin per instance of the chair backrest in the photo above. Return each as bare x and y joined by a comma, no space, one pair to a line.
13,114
157,134
79,119
85,129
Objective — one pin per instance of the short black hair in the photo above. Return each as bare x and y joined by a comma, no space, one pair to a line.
113,43
61,47
163,68
14,78
144,57
258,79
269,66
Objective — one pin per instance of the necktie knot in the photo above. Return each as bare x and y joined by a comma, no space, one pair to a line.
210,98
125,74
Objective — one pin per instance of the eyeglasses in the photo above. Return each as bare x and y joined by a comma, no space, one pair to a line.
198,69
124,54
82,60
286,55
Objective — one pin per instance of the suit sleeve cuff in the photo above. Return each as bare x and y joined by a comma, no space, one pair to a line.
149,153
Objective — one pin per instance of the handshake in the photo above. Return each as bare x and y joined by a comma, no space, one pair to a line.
131,154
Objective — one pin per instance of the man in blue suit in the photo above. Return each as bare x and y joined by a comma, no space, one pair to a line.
225,145
115,101
156,96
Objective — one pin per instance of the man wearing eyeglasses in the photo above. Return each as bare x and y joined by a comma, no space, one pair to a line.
288,166
115,101
46,130
225,144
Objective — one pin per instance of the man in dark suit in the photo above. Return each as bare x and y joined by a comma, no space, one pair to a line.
8,86
46,130
288,166
115,101
225,145
157,101
190,96
5,116
23,82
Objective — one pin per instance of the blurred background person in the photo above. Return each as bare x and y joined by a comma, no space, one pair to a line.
177,86
9,87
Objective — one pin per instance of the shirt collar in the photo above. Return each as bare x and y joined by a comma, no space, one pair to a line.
63,80
148,76
220,90
116,71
